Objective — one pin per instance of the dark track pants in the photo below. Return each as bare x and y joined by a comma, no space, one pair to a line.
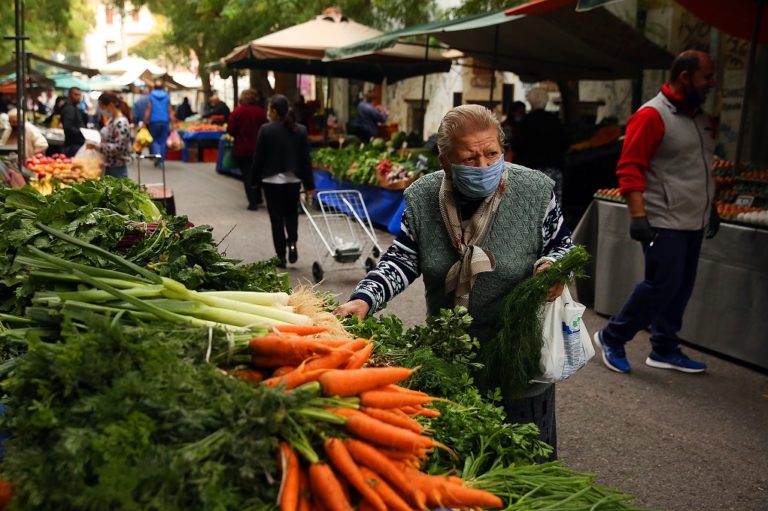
250,182
659,301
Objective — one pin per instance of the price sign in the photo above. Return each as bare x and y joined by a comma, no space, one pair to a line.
745,200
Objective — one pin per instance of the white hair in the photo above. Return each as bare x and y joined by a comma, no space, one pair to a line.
538,98
460,119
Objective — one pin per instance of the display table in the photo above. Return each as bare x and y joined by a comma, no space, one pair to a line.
195,137
727,311
385,207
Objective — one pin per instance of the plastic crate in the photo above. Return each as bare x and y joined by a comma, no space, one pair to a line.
210,154
173,155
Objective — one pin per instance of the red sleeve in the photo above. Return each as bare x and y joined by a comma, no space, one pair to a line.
644,133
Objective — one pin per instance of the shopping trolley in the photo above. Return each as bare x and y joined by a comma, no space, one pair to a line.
158,191
343,233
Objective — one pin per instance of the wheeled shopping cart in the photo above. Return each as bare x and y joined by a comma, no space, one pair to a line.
343,232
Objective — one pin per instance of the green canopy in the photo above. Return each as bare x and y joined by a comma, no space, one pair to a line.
561,44
68,80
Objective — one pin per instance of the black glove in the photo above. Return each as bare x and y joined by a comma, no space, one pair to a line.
714,223
640,230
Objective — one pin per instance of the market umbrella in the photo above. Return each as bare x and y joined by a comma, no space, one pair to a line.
133,71
301,49
560,44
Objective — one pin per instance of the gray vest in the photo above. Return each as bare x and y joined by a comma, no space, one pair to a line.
679,186
514,239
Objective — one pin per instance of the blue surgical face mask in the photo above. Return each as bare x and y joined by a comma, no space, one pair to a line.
477,182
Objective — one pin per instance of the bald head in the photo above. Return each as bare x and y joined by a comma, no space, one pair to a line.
692,75
690,61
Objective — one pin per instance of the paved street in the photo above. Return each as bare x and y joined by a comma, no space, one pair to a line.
676,441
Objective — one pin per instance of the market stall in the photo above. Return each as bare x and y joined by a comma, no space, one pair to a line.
201,140
221,368
726,312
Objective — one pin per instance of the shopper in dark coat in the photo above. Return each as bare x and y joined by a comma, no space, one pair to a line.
283,164
244,124
541,141
72,120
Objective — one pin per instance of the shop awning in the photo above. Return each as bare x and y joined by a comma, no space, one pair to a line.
301,49
557,44
68,80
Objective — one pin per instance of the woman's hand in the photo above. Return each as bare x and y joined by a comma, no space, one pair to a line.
555,290
358,308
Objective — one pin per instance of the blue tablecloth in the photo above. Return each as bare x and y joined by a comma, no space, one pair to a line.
385,207
194,136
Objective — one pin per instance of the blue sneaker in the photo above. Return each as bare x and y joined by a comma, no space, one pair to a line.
676,360
614,359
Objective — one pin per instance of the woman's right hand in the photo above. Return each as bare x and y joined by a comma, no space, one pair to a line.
358,308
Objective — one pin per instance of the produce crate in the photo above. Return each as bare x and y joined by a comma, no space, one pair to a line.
210,154
173,155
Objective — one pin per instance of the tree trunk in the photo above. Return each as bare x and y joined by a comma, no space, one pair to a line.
260,83
205,75
285,84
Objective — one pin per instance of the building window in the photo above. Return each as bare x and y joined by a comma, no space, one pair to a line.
110,12
135,14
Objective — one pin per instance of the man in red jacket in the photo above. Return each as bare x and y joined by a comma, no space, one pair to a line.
665,175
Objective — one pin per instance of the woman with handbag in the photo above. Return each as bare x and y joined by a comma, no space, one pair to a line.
116,135
282,164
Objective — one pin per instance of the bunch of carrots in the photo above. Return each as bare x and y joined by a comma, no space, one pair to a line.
369,449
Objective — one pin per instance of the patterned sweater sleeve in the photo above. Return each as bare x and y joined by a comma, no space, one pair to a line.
397,269
555,234
116,146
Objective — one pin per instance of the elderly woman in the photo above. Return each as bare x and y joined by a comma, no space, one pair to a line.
473,230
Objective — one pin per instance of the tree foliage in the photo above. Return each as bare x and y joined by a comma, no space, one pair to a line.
470,7
52,25
210,29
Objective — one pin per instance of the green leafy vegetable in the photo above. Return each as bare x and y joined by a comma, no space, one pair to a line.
512,357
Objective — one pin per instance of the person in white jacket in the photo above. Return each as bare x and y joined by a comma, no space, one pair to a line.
34,141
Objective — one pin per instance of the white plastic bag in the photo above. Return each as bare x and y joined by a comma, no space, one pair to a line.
90,161
567,345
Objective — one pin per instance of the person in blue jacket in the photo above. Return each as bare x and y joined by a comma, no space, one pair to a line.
158,119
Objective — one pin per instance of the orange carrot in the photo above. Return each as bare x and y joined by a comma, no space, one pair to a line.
304,494
409,410
280,371
342,461
299,329
442,493
287,346
457,496
386,435
388,399
367,455
288,497
333,360
360,357
404,390
346,383
365,505
427,412
390,497
402,421
294,378
333,343
326,488
248,375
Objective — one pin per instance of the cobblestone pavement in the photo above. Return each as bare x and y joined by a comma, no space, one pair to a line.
676,441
